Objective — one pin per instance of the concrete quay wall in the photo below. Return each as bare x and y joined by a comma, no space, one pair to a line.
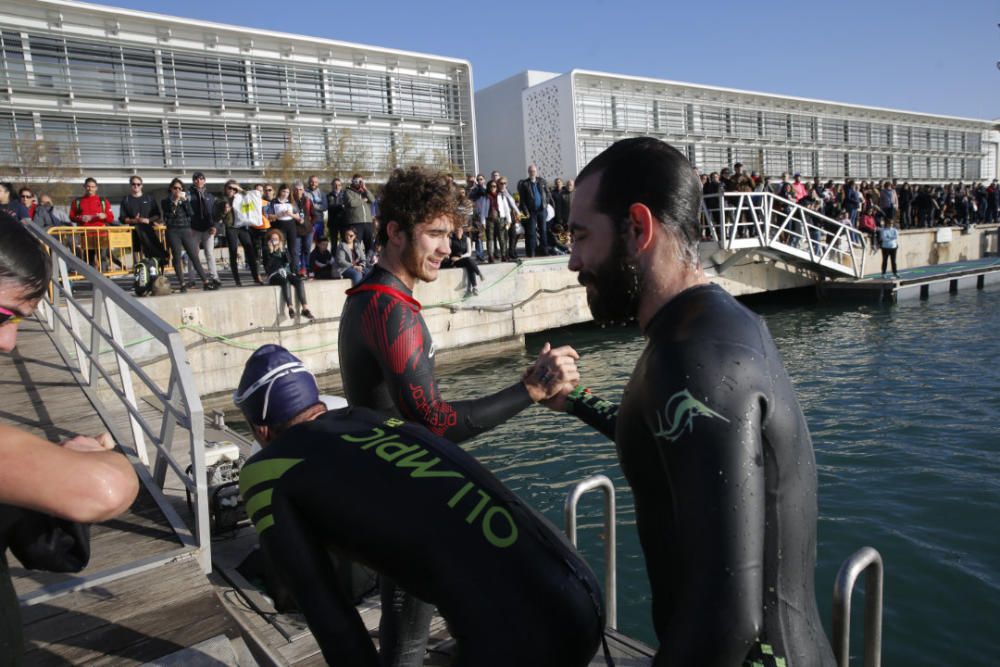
220,329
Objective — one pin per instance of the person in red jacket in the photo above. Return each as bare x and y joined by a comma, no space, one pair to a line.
90,210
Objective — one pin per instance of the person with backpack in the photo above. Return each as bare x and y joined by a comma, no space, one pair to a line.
90,210
142,211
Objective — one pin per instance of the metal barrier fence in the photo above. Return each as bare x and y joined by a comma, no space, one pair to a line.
610,543
110,248
763,220
89,336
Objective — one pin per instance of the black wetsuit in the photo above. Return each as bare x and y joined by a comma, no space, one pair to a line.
40,542
411,505
717,452
387,364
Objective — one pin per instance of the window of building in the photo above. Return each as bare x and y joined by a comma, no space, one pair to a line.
17,132
147,144
901,166
12,71
831,164
857,133
713,158
59,134
710,120
919,138
802,128
48,62
775,125
918,167
140,72
900,136
879,165
973,142
972,169
857,165
208,80
104,142
776,161
954,141
804,162
830,130
937,167
198,145
937,139
359,92
748,156
415,97
743,123
879,134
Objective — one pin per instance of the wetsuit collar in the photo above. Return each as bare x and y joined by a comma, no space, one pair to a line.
664,313
374,285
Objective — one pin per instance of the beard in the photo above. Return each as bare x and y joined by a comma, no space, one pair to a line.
614,287
412,263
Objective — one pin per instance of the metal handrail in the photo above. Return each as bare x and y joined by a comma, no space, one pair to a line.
66,318
610,544
745,220
867,560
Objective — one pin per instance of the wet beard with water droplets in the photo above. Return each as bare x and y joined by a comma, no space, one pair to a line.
615,287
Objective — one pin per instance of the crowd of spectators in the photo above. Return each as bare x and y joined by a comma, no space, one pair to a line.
331,234
910,206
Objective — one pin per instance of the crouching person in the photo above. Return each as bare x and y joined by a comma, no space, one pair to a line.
416,508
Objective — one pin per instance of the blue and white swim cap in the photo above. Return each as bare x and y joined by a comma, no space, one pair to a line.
275,387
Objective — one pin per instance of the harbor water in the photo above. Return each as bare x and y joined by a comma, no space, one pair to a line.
903,404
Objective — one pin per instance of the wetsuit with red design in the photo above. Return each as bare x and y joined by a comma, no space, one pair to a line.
387,364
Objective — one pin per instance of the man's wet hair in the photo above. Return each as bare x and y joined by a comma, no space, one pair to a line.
651,172
416,195
23,261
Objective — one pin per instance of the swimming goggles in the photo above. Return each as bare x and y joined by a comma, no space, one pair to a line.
9,316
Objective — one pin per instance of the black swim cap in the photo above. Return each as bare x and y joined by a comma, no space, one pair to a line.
275,387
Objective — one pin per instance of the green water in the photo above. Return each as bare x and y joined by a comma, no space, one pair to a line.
903,403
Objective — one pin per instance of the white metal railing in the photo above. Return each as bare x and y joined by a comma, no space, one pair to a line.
610,542
109,376
748,220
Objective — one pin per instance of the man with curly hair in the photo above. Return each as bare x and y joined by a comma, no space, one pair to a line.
387,356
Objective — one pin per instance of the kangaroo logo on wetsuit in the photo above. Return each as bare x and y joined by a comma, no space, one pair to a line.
679,413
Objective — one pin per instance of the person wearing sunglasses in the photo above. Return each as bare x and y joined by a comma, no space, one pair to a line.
177,214
10,207
48,492
142,211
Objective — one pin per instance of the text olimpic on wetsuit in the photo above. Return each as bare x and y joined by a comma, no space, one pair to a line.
718,454
387,364
413,506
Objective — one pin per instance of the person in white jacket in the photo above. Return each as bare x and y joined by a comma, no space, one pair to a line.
495,210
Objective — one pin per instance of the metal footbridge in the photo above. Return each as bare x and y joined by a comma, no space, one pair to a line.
762,223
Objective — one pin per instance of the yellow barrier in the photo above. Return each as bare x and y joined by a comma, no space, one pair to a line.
110,249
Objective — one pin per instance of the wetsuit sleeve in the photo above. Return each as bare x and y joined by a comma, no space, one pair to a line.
43,542
395,335
706,409
593,411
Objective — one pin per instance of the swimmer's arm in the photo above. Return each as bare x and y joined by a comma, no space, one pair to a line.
716,473
84,486
592,410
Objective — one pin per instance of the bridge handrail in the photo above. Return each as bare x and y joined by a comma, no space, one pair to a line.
735,219
181,402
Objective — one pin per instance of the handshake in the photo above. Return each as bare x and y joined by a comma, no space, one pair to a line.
553,376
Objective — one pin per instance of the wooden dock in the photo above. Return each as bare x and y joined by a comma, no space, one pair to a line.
143,595
916,283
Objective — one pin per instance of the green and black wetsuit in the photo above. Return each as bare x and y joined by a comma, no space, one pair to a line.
413,506
717,452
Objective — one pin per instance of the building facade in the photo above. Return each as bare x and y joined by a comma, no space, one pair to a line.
107,92
568,119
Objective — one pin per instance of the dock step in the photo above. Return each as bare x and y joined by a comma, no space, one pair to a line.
218,651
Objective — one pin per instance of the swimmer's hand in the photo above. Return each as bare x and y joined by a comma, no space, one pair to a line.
84,443
558,401
552,372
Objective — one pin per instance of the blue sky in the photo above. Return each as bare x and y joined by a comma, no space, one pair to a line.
937,57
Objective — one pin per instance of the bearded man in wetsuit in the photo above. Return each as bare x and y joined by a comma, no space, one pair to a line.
414,507
709,433
387,357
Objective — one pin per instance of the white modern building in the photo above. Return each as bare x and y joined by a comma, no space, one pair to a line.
108,92
561,121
